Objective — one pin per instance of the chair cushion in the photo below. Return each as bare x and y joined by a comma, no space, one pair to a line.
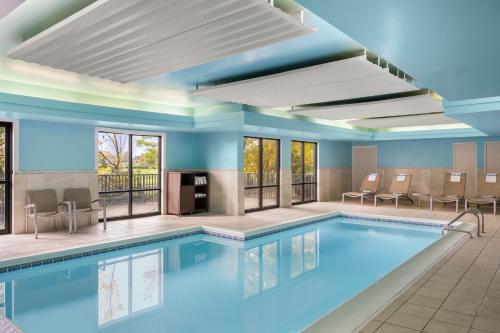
81,196
44,200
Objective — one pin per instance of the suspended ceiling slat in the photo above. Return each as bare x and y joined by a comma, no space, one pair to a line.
130,40
338,80
406,121
385,108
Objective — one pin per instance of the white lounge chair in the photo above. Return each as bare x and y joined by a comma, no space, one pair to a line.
368,188
453,189
400,186
488,191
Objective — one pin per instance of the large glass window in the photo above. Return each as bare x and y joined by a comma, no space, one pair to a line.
5,177
129,174
261,168
304,172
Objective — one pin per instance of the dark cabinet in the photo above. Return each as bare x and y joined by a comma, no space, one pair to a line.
187,192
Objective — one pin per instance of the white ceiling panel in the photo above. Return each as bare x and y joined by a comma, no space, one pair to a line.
344,79
129,40
385,108
406,121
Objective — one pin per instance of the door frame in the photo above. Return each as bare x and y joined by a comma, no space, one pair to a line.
353,187
8,177
316,173
469,177
261,187
485,157
130,190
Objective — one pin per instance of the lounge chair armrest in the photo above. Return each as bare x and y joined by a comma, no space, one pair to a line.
101,201
29,206
66,204
29,210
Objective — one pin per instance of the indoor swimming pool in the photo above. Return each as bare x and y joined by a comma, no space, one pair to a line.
281,282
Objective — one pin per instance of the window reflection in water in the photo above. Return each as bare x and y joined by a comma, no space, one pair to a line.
260,269
129,284
2,298
304,253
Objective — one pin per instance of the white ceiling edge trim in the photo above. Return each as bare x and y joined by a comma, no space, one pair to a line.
349,78
406,121
110,40
428,128
19,77
384,108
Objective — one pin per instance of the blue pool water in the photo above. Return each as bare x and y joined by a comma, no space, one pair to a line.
278,283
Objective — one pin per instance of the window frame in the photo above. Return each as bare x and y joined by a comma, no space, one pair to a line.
260,187
7,181
130,190
303,183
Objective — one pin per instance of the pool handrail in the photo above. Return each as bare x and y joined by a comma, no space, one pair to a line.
474,211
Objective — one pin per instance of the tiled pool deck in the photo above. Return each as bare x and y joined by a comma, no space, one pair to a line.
460,294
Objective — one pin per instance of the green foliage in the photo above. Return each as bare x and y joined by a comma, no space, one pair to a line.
149,158
306,151
252,155
2,152
113,156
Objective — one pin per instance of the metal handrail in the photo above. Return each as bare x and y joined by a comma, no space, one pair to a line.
474,211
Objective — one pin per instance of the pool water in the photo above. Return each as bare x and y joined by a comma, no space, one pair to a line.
278,283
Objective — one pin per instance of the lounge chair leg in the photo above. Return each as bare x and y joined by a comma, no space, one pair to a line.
465,205
70,218
495,208
456,206
35,222
75,219
397,201
375,201
362,197
431,204
342,203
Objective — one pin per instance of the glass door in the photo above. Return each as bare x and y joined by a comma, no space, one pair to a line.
261,168
5,177
304,172
129,172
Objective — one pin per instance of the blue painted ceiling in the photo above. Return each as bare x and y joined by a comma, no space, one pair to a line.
450,46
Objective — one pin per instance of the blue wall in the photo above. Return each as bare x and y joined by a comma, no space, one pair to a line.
221,150
200,151
181,150
335,154
431,153
55,146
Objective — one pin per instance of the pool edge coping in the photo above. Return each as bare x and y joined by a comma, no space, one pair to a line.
363,307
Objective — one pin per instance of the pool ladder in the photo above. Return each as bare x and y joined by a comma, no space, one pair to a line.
480,222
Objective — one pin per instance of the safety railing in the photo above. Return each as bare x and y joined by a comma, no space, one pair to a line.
480,222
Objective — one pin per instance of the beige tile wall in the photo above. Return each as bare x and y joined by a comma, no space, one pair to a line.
226,192
333,182
286,188
424,180
24,181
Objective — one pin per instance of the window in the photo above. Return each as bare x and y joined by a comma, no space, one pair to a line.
261,168
304,172
129,284
5,177
261,269
129,174
304,254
